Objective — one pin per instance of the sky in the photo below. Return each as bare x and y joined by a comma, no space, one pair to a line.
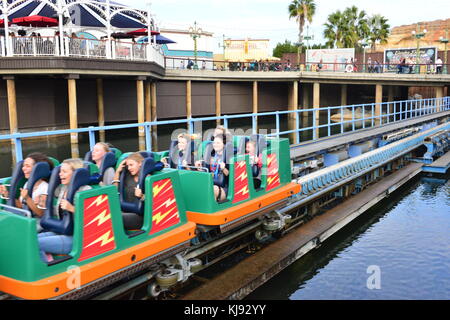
269,19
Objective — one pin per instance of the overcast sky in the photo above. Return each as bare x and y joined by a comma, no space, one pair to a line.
269,19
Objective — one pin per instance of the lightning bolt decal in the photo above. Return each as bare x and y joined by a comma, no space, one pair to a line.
157,189
104,239
165,210
101,218
97,221
99,201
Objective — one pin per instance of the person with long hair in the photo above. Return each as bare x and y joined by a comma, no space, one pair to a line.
133,193
217,166
98,153
51,242
40,188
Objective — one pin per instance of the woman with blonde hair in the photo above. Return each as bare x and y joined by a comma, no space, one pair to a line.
51,242
132,191
98,154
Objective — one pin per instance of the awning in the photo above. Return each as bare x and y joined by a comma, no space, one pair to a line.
81,14
159,39
142,32
35,21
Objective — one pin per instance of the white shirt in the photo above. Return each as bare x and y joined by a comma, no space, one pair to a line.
41,189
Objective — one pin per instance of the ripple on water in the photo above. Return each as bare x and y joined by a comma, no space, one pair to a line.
408,240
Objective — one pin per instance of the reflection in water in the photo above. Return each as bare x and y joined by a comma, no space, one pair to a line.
406,237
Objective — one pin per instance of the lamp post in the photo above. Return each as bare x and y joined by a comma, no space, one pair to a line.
364,45
195,33
308,37
223,46
444,41
418,35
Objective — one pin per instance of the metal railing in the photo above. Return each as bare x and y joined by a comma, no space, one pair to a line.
266,66
338,121
80,47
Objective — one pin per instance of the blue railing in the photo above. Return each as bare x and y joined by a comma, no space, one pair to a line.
362,116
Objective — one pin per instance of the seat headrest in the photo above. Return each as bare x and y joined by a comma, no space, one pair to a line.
174,153
41,170
260,142
109,161
16,179
149,166
80,177
88,156
147,154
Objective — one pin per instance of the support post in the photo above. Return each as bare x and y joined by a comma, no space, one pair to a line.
439,96
255,106
101,108
154,117
218,101
378,101
12,104
316,106
344,94
148,102
189,103
293,106
140,112
73,113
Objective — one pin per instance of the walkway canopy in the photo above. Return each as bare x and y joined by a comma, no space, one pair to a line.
85,13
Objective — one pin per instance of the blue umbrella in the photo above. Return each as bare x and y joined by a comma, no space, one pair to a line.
159,39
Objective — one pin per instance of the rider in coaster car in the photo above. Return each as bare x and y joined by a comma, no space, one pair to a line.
54,242
216,163
36,199
132,191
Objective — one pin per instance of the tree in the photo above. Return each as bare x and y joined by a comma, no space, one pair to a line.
378,30
301,10
345,29
286,47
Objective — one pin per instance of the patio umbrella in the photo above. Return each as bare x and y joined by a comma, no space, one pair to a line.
159,39
35,21
2,23
121,35
142,32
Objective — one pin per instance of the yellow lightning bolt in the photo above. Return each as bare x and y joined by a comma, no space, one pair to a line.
167,204
157,189
104,239
157,218
244,191
243,176
270,180
101,218
241,164
99,201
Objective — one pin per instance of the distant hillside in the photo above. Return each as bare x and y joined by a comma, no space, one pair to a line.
401,36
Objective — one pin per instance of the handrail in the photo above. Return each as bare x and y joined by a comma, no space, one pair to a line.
391,112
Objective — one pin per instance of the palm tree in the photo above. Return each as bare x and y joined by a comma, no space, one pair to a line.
301,10
345,29
378,30
334,30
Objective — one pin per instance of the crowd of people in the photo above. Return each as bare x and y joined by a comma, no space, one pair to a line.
125,176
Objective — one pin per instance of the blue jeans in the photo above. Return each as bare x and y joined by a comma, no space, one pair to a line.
50,242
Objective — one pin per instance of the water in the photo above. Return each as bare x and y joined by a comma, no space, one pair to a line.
407,237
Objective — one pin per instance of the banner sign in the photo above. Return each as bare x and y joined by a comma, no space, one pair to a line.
393,57
332,59
246,50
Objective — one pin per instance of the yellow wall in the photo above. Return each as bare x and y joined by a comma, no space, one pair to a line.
246,50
